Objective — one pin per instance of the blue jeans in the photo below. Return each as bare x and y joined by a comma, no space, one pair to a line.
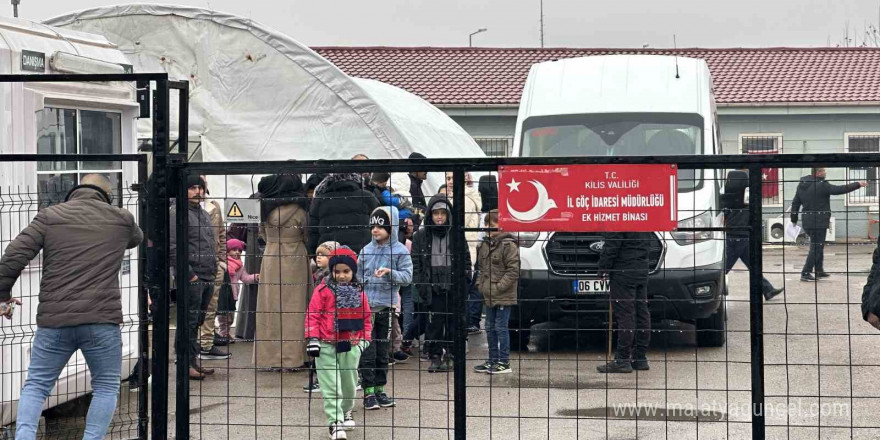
474,304
496,333
101,345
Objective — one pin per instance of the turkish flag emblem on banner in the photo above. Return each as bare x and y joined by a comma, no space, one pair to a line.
588,198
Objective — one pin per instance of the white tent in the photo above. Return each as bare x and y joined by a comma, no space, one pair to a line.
256,94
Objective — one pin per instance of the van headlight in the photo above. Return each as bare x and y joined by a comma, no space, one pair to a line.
528,239
702,220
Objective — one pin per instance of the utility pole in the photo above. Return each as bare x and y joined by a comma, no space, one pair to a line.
542,24
15,8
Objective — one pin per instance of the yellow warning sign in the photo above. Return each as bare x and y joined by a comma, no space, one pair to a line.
243,211
234,212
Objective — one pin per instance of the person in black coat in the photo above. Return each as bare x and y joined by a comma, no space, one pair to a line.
340,212
736,215
813,196
625,261
488,193
433,279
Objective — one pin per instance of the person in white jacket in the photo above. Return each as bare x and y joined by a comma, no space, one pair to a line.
472,219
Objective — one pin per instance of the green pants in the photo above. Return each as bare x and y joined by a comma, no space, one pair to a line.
338,374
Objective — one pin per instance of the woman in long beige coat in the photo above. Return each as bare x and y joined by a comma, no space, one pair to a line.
284,275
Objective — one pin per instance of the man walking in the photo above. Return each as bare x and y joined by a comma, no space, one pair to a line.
814,198
736,215
83,241
625,260
201,272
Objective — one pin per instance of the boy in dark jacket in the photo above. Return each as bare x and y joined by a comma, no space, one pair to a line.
497,280
340,211
433,278
625,260
814,196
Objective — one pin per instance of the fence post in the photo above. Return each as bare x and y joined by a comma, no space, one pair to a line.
184,352
143,363
460,289
158,269
756,306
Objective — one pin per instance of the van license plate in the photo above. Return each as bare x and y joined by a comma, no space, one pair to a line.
588,287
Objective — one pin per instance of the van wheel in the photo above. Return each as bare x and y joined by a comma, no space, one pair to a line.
711,331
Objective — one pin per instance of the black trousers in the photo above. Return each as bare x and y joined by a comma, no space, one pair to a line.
630,299
199,295
816,257
737,248
374,360
439,332
419,323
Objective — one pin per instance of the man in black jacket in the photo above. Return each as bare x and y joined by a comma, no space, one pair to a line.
871,293
814,197
625,260
736,215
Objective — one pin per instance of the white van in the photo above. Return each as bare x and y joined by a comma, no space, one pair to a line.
625,105
76,118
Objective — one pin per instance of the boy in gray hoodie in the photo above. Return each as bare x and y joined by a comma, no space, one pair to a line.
384,266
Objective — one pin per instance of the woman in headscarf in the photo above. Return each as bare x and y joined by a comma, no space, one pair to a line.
284,275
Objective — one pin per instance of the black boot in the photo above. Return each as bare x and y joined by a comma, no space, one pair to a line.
436,364
616,366
640,362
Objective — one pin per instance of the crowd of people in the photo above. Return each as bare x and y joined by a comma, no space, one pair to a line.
354,273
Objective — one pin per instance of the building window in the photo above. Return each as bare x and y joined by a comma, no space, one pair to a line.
495,147
70,131
862,143
772,178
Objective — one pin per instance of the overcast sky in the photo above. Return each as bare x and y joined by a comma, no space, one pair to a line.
514,23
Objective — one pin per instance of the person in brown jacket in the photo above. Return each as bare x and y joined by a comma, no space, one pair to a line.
83,240
498,281
206,331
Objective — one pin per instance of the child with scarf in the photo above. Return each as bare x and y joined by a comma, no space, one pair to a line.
237,274
338,329
320,271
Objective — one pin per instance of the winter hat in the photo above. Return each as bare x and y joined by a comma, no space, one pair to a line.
193,180
416,155
234,244
344,255
380,217
330,246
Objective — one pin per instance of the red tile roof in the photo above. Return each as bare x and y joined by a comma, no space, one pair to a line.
463,76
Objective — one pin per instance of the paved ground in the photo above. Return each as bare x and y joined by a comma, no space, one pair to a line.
831,379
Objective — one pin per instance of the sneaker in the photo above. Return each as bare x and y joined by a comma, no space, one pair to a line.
807,277
640,364
472,330
772,294
436,363
500,368
484,367
221,341
822,274
337,432
441,365
425,357
385,401
408,351
214,354
349,423
370,402
391,361
400,357
312,387
616,366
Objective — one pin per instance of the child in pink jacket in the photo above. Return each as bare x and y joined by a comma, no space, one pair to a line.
237,274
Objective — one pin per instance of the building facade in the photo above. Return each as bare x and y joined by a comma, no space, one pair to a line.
770,101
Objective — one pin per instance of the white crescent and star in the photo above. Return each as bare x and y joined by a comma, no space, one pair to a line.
543,205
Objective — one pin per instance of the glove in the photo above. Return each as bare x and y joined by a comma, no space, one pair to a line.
313,348
794,219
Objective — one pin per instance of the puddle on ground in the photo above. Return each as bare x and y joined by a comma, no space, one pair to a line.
649,413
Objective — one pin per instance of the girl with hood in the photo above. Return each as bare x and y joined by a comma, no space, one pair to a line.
433,278
284,275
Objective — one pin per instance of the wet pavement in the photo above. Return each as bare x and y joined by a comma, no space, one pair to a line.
822,368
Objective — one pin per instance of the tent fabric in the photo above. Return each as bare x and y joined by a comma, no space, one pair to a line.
256,93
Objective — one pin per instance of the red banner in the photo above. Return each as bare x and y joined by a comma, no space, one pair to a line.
588,198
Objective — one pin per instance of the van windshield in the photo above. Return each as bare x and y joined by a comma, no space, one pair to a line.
617,134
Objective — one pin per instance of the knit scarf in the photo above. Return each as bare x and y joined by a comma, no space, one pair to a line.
233,265
348,306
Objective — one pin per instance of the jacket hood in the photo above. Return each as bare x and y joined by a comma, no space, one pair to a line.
88,192
500,237
438,199
339,180
395,222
